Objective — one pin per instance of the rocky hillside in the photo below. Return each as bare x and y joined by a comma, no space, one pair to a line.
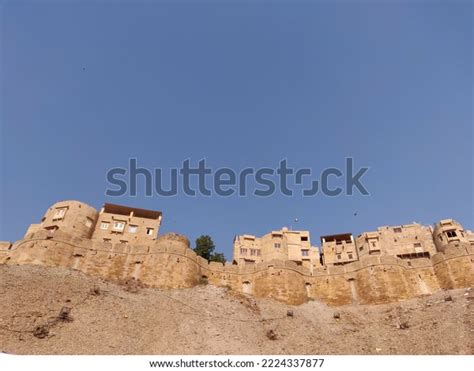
58,311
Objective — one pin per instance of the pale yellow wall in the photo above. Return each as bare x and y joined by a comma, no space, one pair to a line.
339,252
247,249
81,220
368,243
126,235
168,262
449,233
281,244
73,217
409,240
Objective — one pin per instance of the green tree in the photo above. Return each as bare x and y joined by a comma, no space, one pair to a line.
205,247
218,257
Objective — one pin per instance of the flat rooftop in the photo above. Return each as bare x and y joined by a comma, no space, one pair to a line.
337,237
126,210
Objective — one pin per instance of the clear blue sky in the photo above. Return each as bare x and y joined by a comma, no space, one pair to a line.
86,86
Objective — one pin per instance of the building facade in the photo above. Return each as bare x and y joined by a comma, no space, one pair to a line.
338,249
283,244
119,243
449,232
122,224
112,224
407,241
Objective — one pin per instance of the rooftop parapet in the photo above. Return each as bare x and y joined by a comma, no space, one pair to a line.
131,211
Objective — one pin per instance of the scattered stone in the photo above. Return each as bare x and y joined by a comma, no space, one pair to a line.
64,314
289,313
448,298
271,334
41,332
95,291
402,325
132,285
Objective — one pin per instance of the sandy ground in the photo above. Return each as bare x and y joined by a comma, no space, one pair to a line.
107,318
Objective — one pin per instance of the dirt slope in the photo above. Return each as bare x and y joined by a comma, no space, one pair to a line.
107,318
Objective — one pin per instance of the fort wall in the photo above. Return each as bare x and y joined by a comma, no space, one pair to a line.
168,262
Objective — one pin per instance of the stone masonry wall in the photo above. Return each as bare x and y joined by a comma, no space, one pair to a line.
168,262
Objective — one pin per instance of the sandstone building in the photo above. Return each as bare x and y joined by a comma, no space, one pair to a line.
408,241
449,232
113,224
121,224
120,242
338,249
283,244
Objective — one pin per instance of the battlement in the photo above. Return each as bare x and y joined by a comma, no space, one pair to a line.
64,238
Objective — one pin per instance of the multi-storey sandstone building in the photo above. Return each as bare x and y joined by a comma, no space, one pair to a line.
278,245
119,242
408,241
112,224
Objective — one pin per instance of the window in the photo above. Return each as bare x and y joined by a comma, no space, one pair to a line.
104,225
304,252
132,228
304,238
149,231
338,256
243,251
119,226
123,242
253,252
397,230
417,244
107,240
277,245
60,212
350,256
88,222
258,252
51,230
374,244
361,248
451,234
